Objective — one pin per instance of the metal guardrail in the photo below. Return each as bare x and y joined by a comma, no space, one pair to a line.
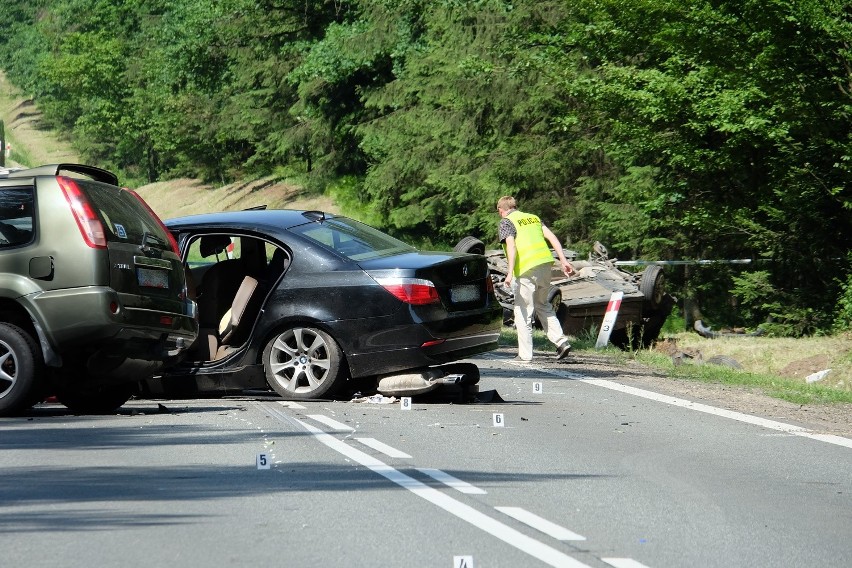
684,262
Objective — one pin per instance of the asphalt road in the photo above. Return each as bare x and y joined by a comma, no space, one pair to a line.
579,474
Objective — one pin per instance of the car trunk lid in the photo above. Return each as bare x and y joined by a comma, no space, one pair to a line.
461,280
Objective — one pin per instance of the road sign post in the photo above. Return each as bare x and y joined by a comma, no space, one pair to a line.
609,319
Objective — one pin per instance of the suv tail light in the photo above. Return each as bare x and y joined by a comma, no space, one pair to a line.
172,240
87,220
415,291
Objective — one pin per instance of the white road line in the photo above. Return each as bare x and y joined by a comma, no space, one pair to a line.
339,426
382,447
623,563
290,404
507,534
747,418
683,403
451,481
540,524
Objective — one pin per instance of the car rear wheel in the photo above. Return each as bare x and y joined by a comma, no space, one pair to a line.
21,370
303,363
470,245
653,287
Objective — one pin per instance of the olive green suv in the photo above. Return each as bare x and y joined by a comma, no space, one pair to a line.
93,295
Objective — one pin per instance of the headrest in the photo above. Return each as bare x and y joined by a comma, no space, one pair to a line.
213,244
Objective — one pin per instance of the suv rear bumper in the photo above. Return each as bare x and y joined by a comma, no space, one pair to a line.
82,319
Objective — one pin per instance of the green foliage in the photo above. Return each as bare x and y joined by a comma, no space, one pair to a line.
664,129
843,317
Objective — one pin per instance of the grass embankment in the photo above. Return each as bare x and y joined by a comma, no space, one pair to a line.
32,144
778,367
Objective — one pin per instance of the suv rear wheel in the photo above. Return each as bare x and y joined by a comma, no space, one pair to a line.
21,370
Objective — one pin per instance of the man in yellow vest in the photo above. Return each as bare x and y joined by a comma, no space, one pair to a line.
525,239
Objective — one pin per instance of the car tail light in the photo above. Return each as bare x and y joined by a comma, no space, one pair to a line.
172,240
87,220
415,291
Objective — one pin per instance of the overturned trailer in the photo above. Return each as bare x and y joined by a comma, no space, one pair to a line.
580,300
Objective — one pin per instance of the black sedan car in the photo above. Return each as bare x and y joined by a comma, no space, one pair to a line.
303,301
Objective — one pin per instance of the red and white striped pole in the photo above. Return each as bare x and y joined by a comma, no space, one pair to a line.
609,319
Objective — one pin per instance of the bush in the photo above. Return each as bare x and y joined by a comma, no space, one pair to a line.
843,319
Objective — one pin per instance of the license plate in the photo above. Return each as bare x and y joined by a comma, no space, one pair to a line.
465,293
152,278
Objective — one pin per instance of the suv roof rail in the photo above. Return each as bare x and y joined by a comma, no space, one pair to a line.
96,174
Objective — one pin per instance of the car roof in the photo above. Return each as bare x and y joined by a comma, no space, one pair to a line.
254,219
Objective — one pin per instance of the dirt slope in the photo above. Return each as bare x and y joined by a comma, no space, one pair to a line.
30,140
179,197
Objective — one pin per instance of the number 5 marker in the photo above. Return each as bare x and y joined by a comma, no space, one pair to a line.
263,461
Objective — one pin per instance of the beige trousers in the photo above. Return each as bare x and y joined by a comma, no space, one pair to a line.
531,290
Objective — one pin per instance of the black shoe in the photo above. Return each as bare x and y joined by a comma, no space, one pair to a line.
562,350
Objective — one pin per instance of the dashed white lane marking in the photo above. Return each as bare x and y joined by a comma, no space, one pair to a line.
291,404
339,426
453,482
382,447
623,563
683,403
540,524
507,534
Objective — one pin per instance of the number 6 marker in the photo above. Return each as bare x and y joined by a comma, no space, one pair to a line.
498,420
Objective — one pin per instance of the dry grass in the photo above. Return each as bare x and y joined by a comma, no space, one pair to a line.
179,197
32,144
783,357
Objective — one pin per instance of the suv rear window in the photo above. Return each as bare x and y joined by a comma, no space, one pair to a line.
16,216
124,217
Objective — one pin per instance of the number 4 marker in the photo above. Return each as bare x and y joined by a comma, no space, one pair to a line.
462,561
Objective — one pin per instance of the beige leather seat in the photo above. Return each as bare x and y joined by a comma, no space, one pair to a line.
235,325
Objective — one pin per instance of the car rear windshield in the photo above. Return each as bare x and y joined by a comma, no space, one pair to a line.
123,215
352,239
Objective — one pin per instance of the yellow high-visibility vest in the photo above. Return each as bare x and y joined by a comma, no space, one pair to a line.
530,244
